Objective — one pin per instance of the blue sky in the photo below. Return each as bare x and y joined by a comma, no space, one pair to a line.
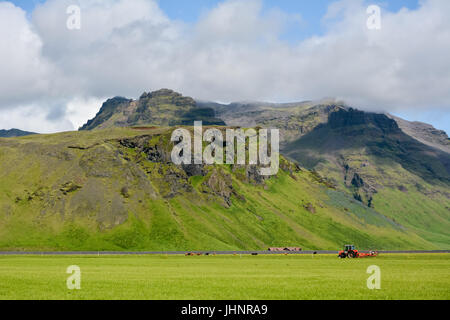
311,11
311,23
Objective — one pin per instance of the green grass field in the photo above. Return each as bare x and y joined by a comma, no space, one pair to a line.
403,276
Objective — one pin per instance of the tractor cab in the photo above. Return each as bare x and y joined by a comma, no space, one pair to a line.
349,247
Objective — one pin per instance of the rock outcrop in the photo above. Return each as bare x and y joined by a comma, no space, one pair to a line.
161,108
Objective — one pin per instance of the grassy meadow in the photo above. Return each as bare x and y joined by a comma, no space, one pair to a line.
403,276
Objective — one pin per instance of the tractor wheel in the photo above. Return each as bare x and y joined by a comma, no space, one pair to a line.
342,256
352,255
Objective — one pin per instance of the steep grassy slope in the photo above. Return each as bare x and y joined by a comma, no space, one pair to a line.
116,189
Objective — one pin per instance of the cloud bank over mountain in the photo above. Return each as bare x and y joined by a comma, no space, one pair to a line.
55,78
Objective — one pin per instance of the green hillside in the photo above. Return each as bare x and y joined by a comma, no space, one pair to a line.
371,179
116,189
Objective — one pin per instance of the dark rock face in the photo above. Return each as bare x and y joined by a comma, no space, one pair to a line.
249,174
357,181
171,180
352,118
252,174
174,182
357,197
154,153
136,142
194,169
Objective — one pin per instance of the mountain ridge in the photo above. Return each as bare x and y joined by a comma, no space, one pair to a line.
11,133
226,114
345,176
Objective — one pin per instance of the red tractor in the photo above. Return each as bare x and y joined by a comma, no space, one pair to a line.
350,252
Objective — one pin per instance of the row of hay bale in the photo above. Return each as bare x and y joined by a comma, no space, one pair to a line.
285,249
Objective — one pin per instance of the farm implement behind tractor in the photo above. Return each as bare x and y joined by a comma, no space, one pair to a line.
350,252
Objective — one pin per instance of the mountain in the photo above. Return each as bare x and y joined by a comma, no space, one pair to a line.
116,189
14,133
161,108
401,168
346,176
397,167
376,135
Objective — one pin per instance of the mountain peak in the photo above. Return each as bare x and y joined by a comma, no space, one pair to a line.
167,96
160,93
14,133
163,107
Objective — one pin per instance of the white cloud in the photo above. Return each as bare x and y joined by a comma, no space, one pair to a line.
33,118
115,51
80,109
25,74
234,52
